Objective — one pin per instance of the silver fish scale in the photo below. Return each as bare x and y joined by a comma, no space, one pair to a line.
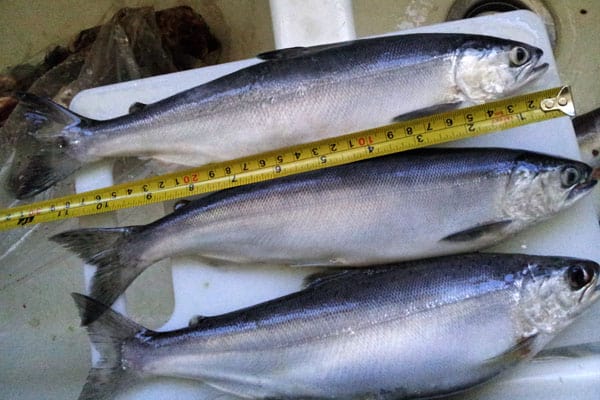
296,98
345,214
400,207
431,327
440,286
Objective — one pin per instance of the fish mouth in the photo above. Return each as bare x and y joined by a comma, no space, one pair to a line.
581,189
532,70
540,69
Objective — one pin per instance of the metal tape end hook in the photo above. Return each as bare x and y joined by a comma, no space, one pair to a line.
562,102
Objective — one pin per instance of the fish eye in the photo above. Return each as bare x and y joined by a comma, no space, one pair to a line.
569,176
578,276
518,56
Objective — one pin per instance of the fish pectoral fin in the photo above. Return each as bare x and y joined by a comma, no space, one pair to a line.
477,232
424,112
495,365
523,349
137,106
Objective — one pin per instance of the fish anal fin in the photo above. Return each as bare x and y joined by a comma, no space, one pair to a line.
479,231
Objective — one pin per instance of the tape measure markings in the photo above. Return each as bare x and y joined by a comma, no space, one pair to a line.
402,136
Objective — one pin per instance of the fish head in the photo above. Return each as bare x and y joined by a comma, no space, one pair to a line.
541,185
555,290
490,68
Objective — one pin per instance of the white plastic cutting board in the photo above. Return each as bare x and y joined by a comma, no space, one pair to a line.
201,289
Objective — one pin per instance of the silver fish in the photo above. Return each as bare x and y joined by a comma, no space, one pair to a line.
404,206
587,129
420,329
298,95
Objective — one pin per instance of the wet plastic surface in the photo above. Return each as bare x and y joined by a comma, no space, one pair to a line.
201,289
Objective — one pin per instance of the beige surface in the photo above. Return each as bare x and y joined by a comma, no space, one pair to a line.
43,352
27,28
244,27
578,46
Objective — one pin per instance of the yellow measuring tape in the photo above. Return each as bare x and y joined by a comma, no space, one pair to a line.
402,136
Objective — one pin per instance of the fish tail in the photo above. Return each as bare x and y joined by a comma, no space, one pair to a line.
107,334
108,250
46,155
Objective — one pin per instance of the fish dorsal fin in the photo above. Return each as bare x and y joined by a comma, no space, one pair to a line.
479,231
319,278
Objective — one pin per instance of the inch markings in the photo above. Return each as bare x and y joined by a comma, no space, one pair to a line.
402,136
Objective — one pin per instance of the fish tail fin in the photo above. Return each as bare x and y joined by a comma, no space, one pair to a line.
107,334
46,156
108,250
